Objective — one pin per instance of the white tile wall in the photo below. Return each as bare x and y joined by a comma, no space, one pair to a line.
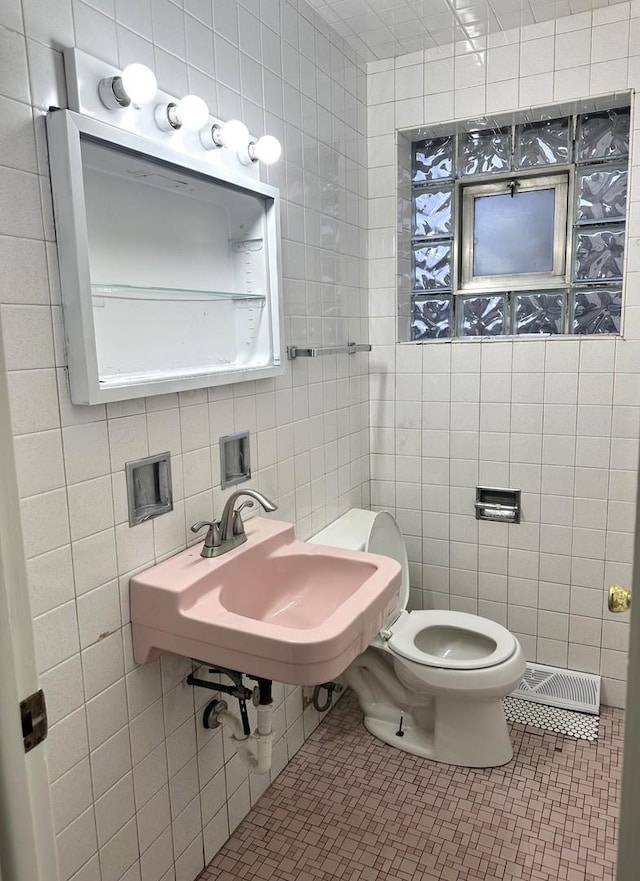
140,790
559,419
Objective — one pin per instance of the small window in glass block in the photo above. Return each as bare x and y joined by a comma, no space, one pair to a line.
481,316
432,267
542,143
431,318
599,254
514,234
535,312
603,135
485,152
433,159
596,310
601,193
433,217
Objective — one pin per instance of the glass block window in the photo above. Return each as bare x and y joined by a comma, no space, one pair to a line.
431,318
603,135
482,316
543,143
535,313
486,152
499,247
433,160
599,254
601,191
432,267
596,310
433,213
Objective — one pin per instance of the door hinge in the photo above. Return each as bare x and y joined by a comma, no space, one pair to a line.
33,715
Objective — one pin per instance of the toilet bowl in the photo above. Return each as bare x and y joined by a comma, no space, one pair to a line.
432,682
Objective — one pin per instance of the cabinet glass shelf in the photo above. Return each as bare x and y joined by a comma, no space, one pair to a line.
144,333
136,292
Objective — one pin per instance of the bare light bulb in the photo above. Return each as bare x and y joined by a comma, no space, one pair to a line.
140,83
267,149
136,85
234,135
191,113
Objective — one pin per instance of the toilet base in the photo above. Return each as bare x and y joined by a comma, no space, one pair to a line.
414,740
472,734
441,721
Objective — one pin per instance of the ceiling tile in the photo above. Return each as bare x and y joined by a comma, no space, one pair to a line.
379,29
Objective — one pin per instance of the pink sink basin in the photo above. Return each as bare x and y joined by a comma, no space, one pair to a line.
293,594
274,607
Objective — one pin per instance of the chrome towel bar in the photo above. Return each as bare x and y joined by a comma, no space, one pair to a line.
294,352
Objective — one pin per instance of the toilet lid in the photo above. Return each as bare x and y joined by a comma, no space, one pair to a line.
450,640
385,538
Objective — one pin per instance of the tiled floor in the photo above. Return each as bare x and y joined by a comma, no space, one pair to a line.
349,807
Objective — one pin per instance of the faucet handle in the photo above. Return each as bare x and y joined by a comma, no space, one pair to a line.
201,525
238,525
213,536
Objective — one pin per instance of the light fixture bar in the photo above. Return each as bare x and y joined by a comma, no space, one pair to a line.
119,98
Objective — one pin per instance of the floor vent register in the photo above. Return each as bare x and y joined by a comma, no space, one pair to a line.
563,701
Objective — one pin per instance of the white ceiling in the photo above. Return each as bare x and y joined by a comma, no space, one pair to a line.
385,28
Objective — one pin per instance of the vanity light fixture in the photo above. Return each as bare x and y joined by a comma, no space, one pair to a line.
136,85
266,149
190,113
234,135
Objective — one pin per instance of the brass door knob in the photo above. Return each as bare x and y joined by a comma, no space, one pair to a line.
619,598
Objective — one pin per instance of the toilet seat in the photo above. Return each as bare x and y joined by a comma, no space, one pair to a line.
428,638
411,635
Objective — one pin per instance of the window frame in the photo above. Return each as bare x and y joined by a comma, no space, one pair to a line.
560,181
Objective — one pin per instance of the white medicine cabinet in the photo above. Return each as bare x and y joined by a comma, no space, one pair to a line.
169,267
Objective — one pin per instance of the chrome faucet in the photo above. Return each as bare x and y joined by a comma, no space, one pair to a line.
228,532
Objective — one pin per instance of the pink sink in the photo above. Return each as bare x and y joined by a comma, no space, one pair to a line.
274,607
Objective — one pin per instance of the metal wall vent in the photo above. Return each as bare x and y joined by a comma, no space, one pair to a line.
560,688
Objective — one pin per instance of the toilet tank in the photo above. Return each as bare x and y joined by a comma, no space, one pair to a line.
350,531
374,531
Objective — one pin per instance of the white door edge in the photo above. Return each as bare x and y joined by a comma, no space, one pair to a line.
629,846
27,845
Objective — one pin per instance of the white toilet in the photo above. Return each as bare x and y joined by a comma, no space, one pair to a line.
432,682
